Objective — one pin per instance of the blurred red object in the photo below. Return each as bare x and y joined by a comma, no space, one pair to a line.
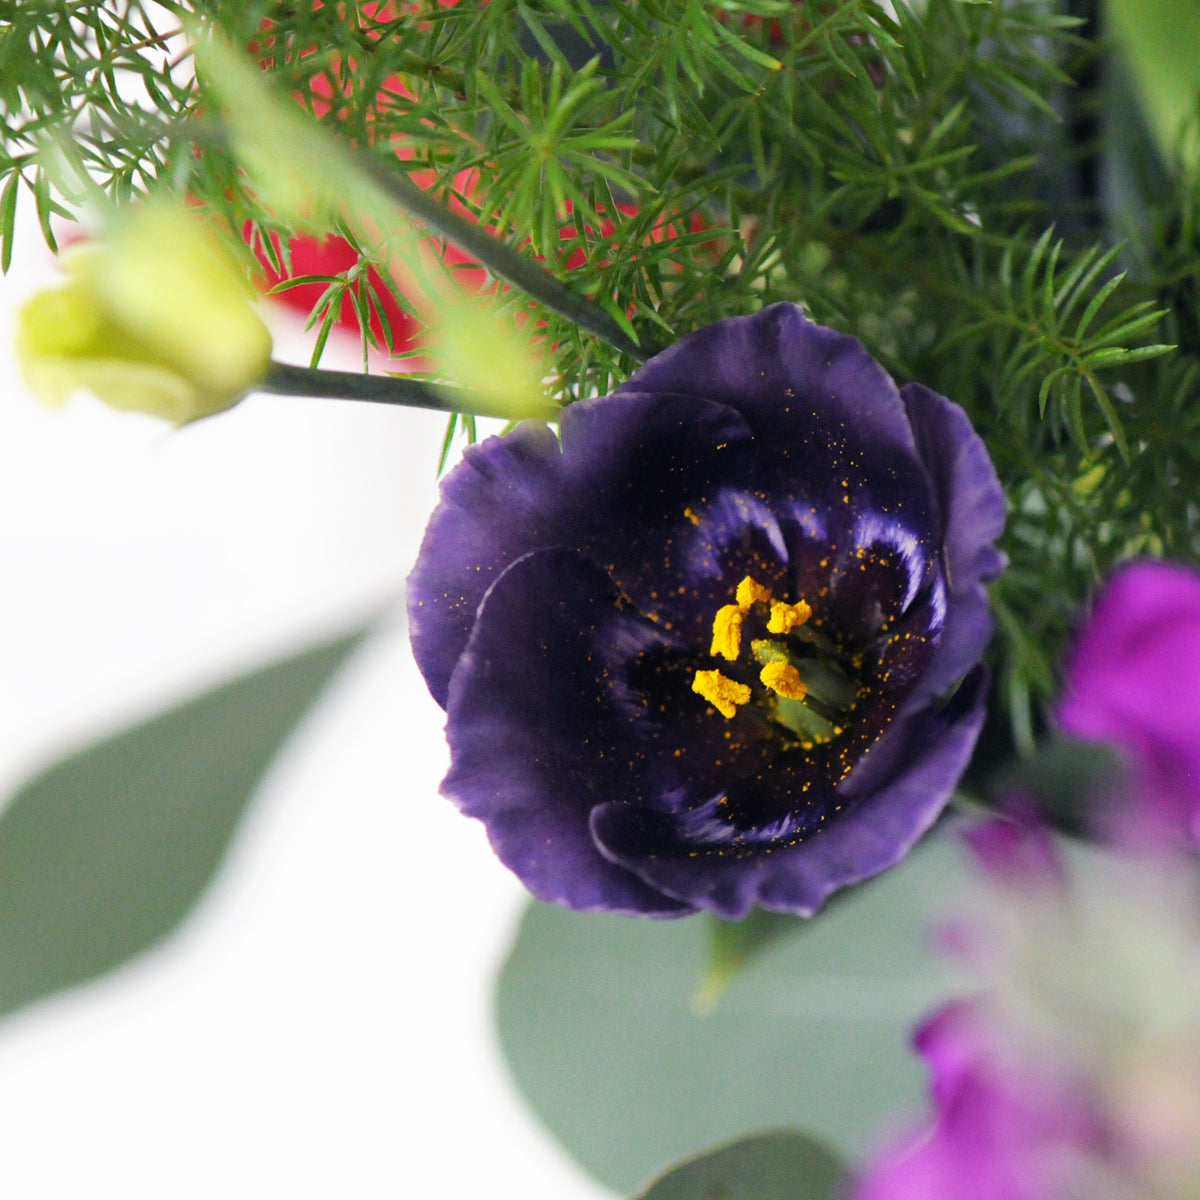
332,256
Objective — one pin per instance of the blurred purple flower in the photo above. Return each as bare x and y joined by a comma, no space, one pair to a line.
1003,1131
718,620
1074,1072
1133,680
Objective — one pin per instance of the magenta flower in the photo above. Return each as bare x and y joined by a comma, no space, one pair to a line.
1074,1071
1004,1130
696,655
1133,680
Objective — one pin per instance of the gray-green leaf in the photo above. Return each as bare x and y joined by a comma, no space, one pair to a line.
104,853
596,1017
781,1165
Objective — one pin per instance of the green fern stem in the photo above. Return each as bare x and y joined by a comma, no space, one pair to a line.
283,379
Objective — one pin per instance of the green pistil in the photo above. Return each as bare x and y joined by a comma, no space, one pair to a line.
819,642
766,651
803,720
826,682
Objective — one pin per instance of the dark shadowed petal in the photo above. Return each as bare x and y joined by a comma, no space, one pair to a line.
726,534
971,506
867,576
535,739
867,837
628,469
883,823
634,467
891,757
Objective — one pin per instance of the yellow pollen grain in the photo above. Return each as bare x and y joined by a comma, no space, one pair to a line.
785,617
727,632
722,693
783,679
750,590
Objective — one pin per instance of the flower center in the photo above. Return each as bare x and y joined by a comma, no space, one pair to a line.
803,677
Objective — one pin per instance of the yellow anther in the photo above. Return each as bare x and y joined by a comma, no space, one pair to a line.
727,632
750,590
784,679
785,617
722,693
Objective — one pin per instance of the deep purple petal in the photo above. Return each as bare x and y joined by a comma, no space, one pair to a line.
634,467
779,370
969,494
535,739
466,546
971,509
826,417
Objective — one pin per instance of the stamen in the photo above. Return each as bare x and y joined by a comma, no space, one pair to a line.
750,590
727,632
722,693
784,679
785,617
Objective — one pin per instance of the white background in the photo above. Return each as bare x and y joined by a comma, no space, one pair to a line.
321,1026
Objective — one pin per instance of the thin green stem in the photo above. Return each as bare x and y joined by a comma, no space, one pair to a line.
283,379
501,259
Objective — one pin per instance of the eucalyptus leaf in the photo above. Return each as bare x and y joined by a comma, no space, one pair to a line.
781,1165
597,1020
103,854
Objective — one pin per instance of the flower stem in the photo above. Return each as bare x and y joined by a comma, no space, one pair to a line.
284,379
502,260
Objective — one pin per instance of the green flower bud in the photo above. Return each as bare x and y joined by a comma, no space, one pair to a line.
156,318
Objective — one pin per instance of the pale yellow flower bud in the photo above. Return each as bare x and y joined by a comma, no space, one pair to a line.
155,318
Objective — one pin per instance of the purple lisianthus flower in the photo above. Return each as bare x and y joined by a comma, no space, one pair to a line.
696,655
1133,680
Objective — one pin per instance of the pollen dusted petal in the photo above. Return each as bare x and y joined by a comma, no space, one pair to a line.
784,679
727,632
723,693
785,617
750,590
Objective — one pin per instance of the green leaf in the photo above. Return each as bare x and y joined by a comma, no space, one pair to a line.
8,216
103,854
732,945
596,1020
768,1166
1160,42
1071,783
